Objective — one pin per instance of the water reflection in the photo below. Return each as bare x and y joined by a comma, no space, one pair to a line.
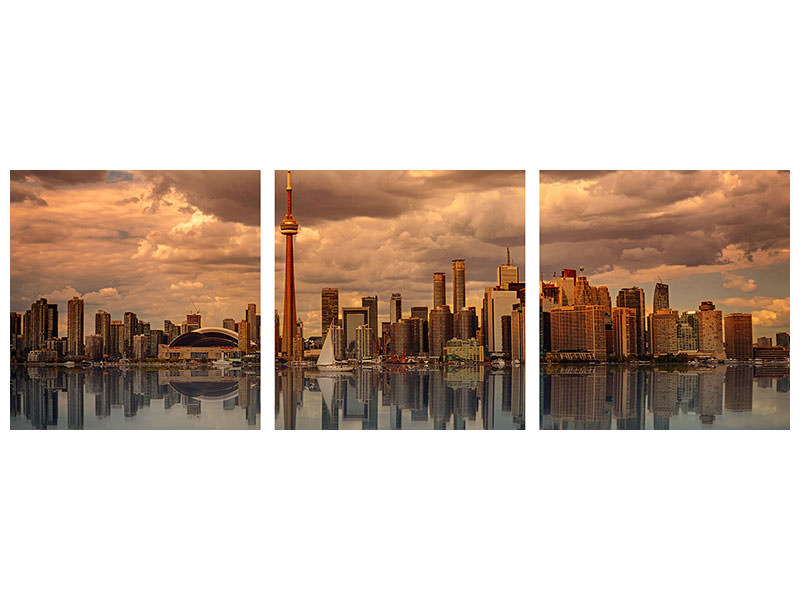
615,397
400,398
113,398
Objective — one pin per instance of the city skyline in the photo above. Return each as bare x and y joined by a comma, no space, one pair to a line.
386,232
710,235
161,244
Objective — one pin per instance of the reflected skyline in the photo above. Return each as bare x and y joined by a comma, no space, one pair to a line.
607,397
454,398
111,398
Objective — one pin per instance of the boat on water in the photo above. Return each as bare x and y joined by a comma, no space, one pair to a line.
326,360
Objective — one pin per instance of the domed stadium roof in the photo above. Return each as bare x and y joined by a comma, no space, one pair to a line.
207,337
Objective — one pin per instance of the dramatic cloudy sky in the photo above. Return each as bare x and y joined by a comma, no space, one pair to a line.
145,241
378,232
711,235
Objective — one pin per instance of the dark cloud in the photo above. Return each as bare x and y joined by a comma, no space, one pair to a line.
563,176
59,179
22,193
232,196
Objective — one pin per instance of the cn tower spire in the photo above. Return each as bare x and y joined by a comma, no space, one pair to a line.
291,348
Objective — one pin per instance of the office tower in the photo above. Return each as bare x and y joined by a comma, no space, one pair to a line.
634,298
352,318
782,339
663,332
687,332
338,342
51,327
193,321
464,324
764,342
439,295
579,329
585,295
157,338
566,286
505,327
371,303
252,322
299,341
709,330
660,297
330,308
386,337
289,228
402,338
518,333
94,347
507,273
604,299
420,312
38,324
395,308
459,284
16,327
624,332
140,344
75,327
244,337
102,327
229,324
363,342
129,324
497,303
117,335
418,331
440,329
739,336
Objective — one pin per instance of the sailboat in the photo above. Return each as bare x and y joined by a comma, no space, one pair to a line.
327,360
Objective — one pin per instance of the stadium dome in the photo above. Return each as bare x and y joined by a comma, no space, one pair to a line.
207,337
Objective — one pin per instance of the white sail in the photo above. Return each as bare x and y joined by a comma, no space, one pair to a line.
326,357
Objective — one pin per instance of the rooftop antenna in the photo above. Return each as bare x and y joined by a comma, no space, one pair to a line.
508,255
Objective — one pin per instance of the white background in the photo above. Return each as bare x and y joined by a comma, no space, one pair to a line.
425,85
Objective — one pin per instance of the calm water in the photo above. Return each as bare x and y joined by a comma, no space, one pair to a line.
400,398
614,397
133,398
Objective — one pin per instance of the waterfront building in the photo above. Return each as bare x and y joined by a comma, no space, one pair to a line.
764,342
363,342
782,339
395,308
464,324
230,324
252,322
579,329
243,337
289,228
688,332
94,347
75,327
352,318
155,338
193,321
338,342
440,329
51,325
566,286
402,338
771,353
171,330
633,297
102,327
709,330
330,308
497,303
459,284
371,303
116,349
140,346
461,350
439,295
663,327
624,332
739,336
505,325
507,273
660,297
129,323
603,299
518,333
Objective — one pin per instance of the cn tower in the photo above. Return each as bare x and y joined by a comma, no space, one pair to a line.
289,228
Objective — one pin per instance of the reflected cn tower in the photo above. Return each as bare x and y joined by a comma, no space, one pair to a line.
289,345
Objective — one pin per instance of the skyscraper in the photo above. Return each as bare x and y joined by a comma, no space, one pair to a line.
363,342
117,340
634,298
229,324
464,324
579,329
75,327
687,331
459,284
664,332
624,331
507,273
518,333
371,303
330,308
289,228
497,303
102,327
739,336
440,329
782,339
244,337
395,308
129,324
660,297
439,296
709,330
193,321
51,327
252,322
352,318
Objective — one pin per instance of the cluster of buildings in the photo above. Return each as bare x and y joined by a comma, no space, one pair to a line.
578,322
35,336
450,332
